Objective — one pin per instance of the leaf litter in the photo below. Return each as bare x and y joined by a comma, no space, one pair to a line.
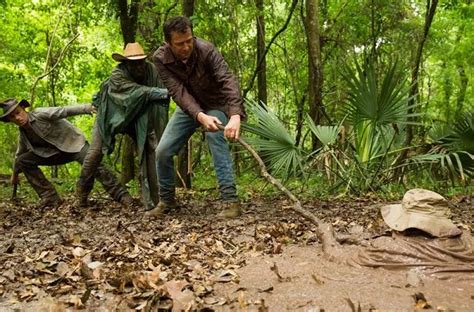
114,258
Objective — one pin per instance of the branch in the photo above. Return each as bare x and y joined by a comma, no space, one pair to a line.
48,56
324,231
46,73
267,48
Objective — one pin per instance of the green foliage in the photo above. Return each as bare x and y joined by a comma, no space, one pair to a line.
373,107
274,142
452,149
368,105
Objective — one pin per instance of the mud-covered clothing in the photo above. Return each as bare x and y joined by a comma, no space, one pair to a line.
203,83
451,257
140,110
125,106
49,139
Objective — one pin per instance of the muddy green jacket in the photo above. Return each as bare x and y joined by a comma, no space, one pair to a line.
124,106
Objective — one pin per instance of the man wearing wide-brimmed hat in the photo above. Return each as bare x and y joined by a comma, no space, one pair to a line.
131,101
46,138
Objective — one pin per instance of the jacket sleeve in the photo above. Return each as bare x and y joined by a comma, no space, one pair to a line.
177,90
228,82
54,113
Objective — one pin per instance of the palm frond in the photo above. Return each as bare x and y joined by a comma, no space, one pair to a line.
273,142
327,135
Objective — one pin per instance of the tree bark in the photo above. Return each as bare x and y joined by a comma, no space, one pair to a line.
188,8
315,76
262,69
128,19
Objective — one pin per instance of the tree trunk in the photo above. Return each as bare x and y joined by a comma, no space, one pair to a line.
128,24
188,8
262,69
128,19
463,81
430,12
315,78
447,90
184,156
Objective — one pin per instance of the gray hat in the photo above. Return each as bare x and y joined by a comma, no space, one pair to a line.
9,105
421,209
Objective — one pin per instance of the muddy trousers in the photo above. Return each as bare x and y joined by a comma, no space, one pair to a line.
147,174
28,164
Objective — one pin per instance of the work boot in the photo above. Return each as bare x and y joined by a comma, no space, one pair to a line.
230,210
162,208
127,200
50,202
83,202
82,197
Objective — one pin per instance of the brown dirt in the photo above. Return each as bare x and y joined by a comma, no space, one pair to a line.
112,259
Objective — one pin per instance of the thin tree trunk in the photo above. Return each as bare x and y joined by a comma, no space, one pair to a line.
315,77
299,120
262,69
463,81
267,48
447,90
430,12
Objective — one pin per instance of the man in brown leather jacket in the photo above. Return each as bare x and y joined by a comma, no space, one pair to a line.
46,138
207,94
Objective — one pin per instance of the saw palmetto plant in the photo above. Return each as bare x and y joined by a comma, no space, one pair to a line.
451,149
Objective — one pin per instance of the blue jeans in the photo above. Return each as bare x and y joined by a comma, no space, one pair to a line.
178,131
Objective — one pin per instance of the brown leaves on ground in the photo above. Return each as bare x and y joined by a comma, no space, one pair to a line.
114,257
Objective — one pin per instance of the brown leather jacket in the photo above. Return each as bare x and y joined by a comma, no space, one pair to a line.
205,82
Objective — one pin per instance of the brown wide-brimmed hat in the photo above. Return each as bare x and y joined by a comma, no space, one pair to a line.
421,209
9,105
132,52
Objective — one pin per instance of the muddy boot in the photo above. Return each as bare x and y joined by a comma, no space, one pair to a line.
82,195
52,201
163,207
230,210
127,200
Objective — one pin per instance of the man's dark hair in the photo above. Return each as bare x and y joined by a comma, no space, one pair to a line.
177,24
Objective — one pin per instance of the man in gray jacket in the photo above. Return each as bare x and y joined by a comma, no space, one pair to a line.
46,138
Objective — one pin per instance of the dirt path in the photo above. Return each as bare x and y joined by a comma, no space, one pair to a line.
112,259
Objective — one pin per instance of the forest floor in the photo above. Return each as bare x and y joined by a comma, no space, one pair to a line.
112,258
